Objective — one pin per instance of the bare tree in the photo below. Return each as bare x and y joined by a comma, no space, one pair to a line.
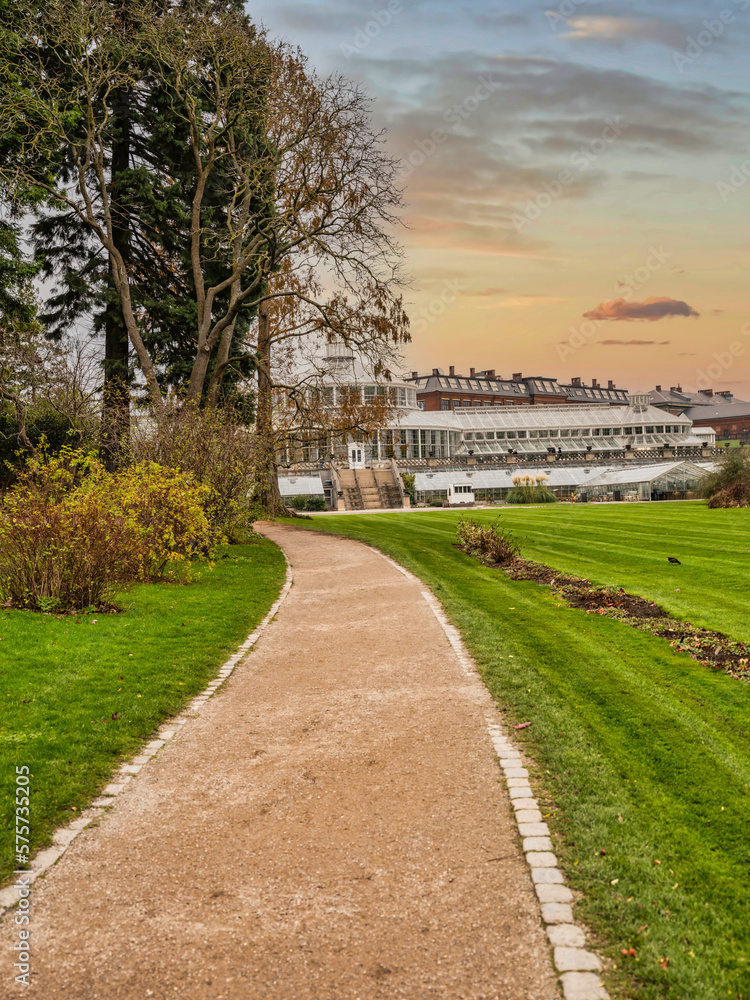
310,197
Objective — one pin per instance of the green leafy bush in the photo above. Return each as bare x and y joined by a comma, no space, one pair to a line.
307,503
491,542
70,531
409,481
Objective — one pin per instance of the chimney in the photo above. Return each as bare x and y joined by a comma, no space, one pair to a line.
490,373
726,394
595,384
576,382
611,384
658,388
517,376
415,374
706,392
435,371
471,373
675,388
452,370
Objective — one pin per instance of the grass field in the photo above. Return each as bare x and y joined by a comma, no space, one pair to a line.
80,694
641,753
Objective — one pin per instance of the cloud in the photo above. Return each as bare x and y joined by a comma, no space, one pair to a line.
617,30
543,116
651,309
487,293
633,343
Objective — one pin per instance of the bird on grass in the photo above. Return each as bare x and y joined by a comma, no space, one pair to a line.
674,561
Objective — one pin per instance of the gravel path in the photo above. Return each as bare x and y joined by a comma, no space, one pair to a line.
332,826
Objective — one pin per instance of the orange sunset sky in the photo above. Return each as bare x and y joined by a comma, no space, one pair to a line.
561,160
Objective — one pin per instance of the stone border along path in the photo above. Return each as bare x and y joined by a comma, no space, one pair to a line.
65,835
576,966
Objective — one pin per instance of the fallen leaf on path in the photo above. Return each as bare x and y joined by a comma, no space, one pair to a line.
523,725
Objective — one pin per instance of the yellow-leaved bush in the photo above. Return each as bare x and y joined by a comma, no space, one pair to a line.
70,531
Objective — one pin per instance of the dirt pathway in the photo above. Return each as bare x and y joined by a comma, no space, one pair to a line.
331,827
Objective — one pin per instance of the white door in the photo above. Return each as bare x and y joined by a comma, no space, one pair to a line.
356,455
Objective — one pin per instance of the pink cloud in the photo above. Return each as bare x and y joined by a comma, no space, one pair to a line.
651,309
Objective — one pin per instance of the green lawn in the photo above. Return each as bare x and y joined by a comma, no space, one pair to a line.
64,679
640,751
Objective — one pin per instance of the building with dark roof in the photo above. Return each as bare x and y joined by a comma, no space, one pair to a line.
730,421
439,391
676,399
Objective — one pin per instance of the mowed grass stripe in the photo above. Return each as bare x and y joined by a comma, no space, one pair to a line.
623,726
629,546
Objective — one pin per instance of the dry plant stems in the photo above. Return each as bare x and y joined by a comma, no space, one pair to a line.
492,543
311,189
729,484
211,446
530,489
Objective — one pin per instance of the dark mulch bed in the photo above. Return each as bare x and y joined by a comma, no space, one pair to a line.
710,648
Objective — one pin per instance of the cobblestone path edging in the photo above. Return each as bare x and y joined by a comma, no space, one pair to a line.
65,835
577,967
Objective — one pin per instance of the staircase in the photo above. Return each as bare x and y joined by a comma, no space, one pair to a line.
352,496
390,494
369,489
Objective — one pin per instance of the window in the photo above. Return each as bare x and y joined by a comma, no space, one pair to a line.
510,435
649,430
470,437
607,432
628,430
500,435
421,404
456,403
659,430
445,404
467,402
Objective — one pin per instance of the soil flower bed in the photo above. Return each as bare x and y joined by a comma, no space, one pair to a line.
711,648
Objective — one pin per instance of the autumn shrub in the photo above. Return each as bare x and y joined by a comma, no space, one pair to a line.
736,495
491,542
729,484
70,532
213,447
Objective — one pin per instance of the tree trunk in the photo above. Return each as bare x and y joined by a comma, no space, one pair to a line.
116,391
266,494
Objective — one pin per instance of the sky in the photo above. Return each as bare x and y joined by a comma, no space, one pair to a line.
576,174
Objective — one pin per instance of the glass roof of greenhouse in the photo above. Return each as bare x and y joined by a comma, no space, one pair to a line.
644,474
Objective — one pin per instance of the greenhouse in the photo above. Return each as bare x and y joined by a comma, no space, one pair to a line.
672,481
494,484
